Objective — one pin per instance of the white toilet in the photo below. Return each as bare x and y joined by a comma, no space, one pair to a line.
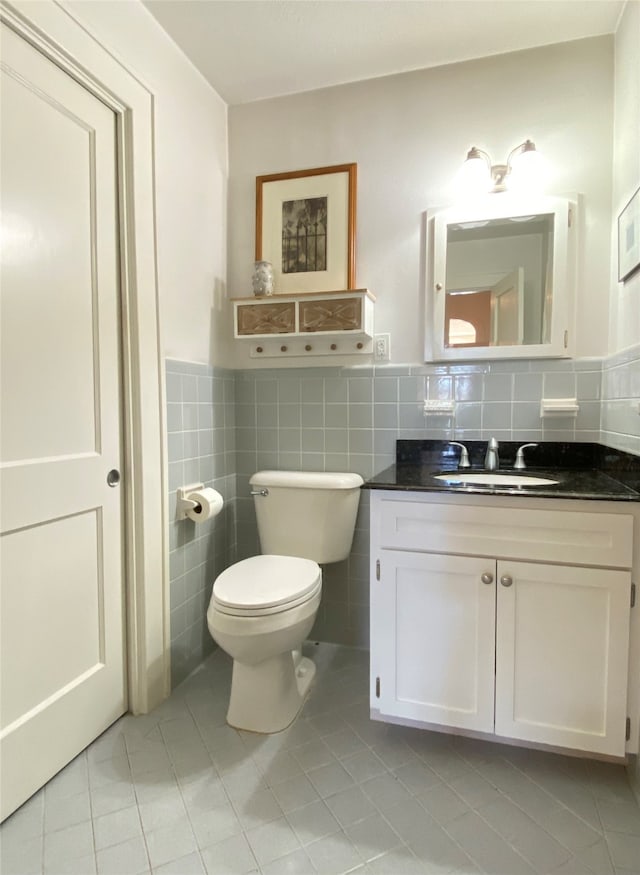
263,608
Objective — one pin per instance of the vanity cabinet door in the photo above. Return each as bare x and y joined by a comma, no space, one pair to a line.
562,655
433,639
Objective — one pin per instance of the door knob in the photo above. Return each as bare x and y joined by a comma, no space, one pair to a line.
487,577
113,477
505,580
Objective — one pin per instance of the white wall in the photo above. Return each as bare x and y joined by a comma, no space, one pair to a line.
409,134
624,326
190,128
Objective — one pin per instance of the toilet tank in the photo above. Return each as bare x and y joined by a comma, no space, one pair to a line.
306,514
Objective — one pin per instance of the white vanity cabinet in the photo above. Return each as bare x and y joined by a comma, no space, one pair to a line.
501,616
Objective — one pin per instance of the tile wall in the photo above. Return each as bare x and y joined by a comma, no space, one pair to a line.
621,401
201,449
348,419
223,425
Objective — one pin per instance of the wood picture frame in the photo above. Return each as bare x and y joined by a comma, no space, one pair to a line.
306,228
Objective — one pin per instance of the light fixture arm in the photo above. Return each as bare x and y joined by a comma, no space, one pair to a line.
500,172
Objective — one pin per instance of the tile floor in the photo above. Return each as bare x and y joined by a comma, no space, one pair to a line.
178,791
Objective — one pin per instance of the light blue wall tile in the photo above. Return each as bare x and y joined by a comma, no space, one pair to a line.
527,387
289,440
189,387
360,390
336,415
526,416
267,416
190,416
266,391
410,416
312,390
190,442
360,416
205,390
313,440
385,389
384,442
312,415
385,416
440,388
468,387
468,416
411,389
498,387
174,387
289,391
335,390
174,417
360,440
559,385
289,416
588,416
267,439
336,440
496,416
175,446
206,416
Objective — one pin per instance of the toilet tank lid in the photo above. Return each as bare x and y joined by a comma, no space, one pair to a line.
307,479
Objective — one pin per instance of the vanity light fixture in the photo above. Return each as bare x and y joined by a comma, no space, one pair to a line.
482,176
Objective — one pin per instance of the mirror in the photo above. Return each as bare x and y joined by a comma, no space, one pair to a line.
499,284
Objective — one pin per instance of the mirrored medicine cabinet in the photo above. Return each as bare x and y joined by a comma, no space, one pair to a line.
500,279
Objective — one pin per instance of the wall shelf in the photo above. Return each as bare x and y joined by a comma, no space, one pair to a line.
317,324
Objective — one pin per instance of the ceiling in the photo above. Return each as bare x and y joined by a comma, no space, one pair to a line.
256,49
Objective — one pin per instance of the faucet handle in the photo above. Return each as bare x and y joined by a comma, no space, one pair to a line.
519,463
464,455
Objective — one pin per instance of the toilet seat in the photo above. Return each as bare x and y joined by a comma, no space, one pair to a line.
266,584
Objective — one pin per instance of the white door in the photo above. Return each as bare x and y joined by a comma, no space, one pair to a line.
62,668
507,309
435,633
562,655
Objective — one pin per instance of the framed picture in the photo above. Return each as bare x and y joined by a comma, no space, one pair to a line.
306,227
629,238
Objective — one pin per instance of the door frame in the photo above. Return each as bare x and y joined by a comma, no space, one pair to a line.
52,29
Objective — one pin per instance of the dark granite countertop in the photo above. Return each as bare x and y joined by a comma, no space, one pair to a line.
583,470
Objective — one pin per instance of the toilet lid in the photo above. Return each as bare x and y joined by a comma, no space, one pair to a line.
262,582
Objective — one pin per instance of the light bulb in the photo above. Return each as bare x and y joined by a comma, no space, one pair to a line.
475,176
527,171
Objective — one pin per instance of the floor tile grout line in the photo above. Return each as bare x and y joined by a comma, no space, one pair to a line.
354,718
138,803
228,797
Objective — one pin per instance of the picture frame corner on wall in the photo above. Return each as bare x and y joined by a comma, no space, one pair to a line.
629,238
306,225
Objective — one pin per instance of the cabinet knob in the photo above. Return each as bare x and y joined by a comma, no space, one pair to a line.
505,580
487,577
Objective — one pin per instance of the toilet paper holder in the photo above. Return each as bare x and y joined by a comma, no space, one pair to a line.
184,503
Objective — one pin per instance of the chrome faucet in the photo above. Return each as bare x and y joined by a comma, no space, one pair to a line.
519,463
464,455
491,460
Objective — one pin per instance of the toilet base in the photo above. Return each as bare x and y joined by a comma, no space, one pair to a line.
267,697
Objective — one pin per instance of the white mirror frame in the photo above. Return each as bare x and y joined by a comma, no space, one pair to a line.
501,206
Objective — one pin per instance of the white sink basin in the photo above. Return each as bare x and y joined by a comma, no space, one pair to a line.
490,478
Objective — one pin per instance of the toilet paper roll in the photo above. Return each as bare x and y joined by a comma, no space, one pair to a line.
209,505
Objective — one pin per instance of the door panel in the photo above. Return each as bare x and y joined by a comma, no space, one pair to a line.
562,650
439,667
62,667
